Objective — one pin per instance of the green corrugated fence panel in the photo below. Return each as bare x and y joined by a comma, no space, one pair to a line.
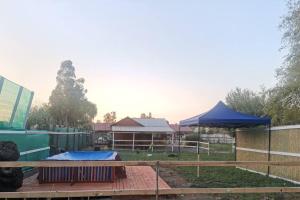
32,147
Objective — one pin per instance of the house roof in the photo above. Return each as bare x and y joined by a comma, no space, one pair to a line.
175,127
152,125
102,126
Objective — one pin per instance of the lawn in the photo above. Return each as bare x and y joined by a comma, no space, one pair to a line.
213,177
221,147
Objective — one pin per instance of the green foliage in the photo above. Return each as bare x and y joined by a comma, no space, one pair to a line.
68,104
246,101
39,118
281,113
289,73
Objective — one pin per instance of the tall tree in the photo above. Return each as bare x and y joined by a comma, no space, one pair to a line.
289,73
68,104
110,117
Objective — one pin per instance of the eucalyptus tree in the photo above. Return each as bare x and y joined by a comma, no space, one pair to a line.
68,104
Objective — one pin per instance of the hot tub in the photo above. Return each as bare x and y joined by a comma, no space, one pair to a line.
82,174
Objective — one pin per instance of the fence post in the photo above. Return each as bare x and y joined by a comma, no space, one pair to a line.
172,142
133,138
152,143
208,148
157,185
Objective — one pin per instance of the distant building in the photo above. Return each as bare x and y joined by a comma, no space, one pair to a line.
102,132
140,132
102,127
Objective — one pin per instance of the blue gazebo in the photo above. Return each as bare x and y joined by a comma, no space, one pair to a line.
224,117
221,116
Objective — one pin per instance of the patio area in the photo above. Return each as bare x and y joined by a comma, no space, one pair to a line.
138,178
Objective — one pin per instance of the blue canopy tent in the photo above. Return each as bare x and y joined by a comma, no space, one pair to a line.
221,116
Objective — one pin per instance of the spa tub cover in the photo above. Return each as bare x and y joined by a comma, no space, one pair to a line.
222,116
85,155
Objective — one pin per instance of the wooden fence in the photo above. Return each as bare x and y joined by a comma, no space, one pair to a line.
157,191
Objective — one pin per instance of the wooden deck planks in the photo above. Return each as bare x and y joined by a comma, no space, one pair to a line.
138,178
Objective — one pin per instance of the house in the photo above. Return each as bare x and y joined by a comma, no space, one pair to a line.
141,133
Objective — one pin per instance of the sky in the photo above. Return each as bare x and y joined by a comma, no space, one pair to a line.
173,58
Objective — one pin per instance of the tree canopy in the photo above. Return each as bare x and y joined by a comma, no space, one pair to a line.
68,104
247,101
39,118
110,117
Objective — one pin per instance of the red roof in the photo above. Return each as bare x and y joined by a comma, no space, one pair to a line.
102,126
175,127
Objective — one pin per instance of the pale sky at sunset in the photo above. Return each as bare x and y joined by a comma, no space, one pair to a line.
169,57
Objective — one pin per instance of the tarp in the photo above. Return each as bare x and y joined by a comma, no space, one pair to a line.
222,116
85,155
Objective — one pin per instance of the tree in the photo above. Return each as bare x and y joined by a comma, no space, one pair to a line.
39,118
145,116
110,117
280,113
247,101
289,73
68,104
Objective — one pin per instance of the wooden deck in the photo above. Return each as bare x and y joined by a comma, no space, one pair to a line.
138,178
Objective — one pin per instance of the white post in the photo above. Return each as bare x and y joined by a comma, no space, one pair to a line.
113,138
208,148
152,143
133,138
173,142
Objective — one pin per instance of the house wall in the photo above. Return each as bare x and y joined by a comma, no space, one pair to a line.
139,136
252,145
137,142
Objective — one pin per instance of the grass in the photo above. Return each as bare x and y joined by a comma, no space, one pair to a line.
221,147
215,177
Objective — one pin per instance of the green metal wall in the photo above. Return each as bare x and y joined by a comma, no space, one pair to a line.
69,142
32,147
